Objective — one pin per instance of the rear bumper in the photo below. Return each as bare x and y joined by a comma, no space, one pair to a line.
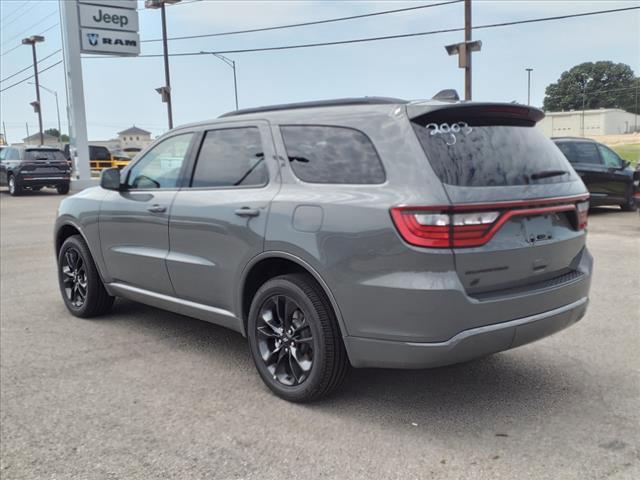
466,345
42,180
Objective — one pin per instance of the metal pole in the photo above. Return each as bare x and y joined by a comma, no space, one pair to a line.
584,90
235,85
26,124
58,113
4,129
636,117
35,74
529,85
166,65
467,38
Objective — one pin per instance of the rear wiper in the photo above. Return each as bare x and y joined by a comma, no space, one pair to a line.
547,174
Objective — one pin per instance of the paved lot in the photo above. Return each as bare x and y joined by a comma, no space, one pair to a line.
143,394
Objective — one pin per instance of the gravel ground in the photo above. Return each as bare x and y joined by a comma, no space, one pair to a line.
142,394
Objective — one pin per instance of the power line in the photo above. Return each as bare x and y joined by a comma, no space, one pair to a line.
19,45
30,77
32,26
29,66
18,9
386,37
304,24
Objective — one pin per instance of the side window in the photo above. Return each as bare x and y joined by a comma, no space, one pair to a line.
319,154
3,152
611,159
229,158
580,152
160,167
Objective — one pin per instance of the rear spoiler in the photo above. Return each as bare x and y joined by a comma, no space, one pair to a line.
481,113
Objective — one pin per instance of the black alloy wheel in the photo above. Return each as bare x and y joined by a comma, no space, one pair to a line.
295,339
80,284
285,340
74,277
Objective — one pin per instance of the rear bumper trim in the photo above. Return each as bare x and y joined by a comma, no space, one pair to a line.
466,345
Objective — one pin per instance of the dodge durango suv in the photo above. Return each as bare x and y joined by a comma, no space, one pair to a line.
371,232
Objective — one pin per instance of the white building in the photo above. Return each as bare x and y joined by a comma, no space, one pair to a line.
576,123
134,137
35,140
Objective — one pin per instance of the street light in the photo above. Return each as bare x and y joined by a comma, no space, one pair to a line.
55,94
32,40
232,64
529,70
165,91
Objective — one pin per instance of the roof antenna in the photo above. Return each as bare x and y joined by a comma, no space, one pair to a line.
447,95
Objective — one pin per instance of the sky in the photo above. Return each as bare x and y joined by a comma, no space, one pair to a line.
120,92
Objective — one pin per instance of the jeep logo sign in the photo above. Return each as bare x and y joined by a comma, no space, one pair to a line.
98,16
110,41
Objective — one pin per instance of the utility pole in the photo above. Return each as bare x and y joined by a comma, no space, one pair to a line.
464,50
164,91
6,141
32,40
26,124
467,39
55,94
529,70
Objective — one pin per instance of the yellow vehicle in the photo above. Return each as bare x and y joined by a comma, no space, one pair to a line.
99,157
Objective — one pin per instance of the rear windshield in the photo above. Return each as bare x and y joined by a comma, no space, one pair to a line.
50,155
472,153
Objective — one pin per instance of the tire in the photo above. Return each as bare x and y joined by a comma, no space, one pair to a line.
96,300
630,205
15,189
308,313
63,189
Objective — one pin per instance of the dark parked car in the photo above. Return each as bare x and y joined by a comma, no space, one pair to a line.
609,178
373,232
32,168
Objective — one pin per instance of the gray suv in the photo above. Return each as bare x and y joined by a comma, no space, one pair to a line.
369,232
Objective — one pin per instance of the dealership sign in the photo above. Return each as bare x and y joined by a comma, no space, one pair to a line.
109,27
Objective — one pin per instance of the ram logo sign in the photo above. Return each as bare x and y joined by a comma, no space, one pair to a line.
110,42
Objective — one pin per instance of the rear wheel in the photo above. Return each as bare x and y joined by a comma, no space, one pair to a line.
14,188
631,205
80,285
63,189
295,340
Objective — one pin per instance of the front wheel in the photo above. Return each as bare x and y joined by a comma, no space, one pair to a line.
80,284
295,340
631,205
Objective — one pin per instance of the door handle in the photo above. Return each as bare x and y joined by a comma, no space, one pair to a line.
157,208
247,212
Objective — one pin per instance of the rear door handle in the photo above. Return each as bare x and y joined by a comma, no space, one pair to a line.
157,208
247,212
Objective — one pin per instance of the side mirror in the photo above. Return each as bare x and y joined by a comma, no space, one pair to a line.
624,164
110,179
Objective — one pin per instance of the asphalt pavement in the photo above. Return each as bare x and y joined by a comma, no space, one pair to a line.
145,394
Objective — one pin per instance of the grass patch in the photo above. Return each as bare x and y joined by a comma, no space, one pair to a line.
630,152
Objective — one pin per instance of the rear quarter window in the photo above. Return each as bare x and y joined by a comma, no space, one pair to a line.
328,154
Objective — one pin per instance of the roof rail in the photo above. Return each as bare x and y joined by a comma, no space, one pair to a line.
339,102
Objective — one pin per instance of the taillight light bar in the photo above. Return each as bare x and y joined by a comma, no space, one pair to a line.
473,225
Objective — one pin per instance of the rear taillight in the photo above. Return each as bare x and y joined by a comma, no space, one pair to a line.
472,225
426,228
583,213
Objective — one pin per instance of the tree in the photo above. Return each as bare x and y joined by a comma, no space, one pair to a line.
55,133
597,84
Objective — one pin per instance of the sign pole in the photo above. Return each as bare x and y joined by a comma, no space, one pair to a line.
78,140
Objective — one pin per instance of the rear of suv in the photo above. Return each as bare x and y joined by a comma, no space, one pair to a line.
367,232
32,168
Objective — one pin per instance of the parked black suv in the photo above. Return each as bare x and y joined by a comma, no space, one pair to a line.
609,178
31,168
